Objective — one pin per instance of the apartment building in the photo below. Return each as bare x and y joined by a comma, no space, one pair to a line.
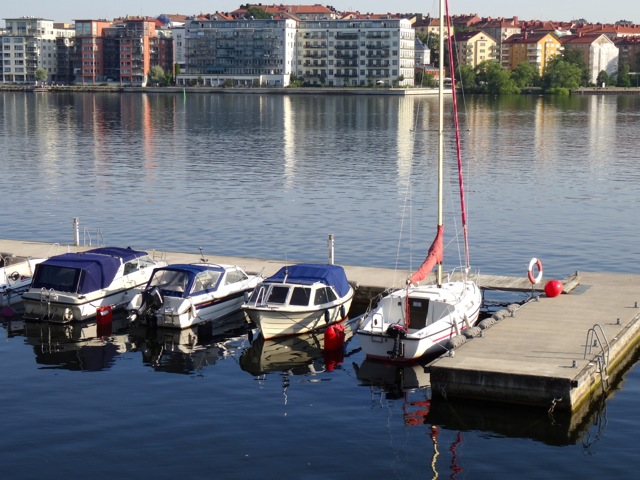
534,48
473,48
122,51
354,52
242,52
29,43
597,50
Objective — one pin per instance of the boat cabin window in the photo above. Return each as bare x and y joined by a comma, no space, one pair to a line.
61,279
324,295
131,266
235,276
300,296
170,280
146,261
278,294
205,281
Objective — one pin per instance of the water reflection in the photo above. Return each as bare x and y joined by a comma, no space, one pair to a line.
410,385
79,346
190,350
310,353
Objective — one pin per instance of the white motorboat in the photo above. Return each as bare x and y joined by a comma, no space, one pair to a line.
419,320
299,299
15,277
183,295
78,286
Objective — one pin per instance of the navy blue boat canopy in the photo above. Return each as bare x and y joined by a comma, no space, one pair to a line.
309,273
82,272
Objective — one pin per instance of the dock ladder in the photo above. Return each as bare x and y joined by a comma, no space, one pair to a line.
595,337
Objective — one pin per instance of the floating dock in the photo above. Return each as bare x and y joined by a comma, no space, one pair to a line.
559,353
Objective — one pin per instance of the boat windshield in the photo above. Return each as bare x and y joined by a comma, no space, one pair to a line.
278,294
207,280
170,281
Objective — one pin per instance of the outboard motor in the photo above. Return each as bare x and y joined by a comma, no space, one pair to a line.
397,332
151,301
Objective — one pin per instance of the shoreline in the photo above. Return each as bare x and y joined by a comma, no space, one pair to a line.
219,90
280,90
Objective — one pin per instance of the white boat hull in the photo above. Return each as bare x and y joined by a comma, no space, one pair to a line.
15,280
183,313
278,322
61,307
461,307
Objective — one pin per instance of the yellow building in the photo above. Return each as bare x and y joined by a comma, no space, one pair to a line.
472,48
534,48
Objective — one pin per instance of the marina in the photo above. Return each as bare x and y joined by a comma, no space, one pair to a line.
556,353
551,177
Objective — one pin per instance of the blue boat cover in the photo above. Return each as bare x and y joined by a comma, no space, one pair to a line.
82,272
309,273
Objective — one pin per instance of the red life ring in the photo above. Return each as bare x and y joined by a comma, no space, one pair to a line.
538,264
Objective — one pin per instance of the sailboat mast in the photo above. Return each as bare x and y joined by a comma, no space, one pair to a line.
440,129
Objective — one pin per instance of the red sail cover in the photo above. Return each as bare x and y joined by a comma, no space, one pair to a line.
434,256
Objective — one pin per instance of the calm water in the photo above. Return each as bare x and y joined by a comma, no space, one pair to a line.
271,176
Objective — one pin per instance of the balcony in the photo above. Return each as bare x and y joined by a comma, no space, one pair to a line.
347,35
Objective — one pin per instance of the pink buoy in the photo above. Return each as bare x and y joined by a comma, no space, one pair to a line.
553,288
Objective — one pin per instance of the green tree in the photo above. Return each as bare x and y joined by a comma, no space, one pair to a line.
41,75
561,74
156,75
526,75
467,78
624,79
433,44
258,13
575,57
603,79
494,80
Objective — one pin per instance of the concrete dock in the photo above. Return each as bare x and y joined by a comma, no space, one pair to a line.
558,353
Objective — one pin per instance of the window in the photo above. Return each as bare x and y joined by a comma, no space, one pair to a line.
300,296
278,294
235,277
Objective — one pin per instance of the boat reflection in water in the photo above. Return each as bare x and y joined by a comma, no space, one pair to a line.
309,353
81,346
410,385
191,349
398,382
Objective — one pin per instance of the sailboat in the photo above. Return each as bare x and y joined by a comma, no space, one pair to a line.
419,320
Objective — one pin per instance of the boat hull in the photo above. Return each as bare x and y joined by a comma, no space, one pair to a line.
281,322
60,307
460,309
15,278
189,313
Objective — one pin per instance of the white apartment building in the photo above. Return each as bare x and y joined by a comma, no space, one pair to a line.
356,52
29,43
